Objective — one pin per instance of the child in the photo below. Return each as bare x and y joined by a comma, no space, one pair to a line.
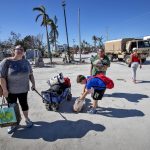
95,86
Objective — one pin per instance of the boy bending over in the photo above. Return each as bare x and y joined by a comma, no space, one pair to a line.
95,86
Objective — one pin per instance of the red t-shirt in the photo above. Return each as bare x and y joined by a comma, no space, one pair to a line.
135,58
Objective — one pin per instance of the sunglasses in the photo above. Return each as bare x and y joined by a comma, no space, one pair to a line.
19,49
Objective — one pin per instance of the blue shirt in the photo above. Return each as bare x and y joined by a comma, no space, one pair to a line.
95,83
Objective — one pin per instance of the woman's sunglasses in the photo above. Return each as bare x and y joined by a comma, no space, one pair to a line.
19,49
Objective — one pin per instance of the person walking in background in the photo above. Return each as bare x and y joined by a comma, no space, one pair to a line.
99,63
15,74
135,61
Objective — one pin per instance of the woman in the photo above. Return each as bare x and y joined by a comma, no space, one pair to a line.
15,73
99,63
135,60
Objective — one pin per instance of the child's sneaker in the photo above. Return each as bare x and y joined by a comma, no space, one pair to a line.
29,123
11,129
91,106
92,111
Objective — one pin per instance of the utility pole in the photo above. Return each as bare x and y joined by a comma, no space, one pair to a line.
79,33
68,50
73,41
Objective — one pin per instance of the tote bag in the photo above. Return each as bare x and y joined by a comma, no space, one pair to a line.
7,115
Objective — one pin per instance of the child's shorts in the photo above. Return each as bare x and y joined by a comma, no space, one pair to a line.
98,94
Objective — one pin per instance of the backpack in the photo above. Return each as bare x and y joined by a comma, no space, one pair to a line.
108,82
67,82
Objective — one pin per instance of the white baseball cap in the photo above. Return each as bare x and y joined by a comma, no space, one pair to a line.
134,49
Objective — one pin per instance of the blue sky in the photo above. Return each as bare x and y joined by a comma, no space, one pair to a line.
121,18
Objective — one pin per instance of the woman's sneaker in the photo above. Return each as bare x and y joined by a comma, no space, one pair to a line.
11,129
29,123
92,111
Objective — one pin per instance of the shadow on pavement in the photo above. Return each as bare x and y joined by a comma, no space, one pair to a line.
128,96
45,66
61,129
142,82
119,113
122,64
147,62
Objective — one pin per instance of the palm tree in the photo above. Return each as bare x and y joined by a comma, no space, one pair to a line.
45,19
54,32
84,43
94,38
99,39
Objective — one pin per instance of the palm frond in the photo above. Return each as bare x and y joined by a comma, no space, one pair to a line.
50,22
45,21
55,20
39,9
43,8
46,16
42,24
38,17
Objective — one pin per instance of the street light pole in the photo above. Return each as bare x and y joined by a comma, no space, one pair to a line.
79,33
68,50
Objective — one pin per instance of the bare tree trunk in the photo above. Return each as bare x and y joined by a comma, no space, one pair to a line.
95,44
55,41
48,46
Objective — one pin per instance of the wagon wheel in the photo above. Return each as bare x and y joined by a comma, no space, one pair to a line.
48,107
55,107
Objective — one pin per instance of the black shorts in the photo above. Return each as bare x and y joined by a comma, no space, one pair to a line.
22,97
98,94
